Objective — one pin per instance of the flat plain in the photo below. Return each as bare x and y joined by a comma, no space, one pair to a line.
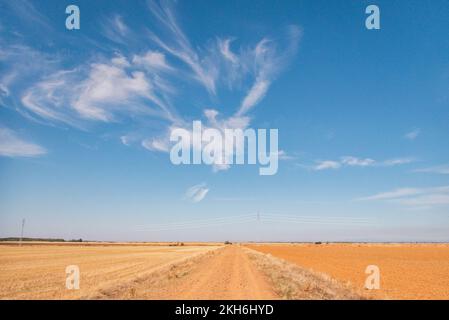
407,271
37,271
217,271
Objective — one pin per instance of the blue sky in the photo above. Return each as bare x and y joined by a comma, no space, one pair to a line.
362,118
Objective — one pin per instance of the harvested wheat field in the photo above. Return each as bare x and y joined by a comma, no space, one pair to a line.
158,272
407,271
38,271
257,271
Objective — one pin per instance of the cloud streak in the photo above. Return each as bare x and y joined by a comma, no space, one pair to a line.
196,193
413,197
326,164
350,161
204,71
412,135
441,169
11,145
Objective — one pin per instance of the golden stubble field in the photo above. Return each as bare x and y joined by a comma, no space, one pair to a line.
214,271
408,271
37,271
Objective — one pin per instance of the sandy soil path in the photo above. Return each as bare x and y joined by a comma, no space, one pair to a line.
226,274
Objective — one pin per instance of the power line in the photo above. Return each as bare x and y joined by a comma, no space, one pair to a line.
257,217
21,233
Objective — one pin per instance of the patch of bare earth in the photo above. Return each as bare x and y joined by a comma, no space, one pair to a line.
293,282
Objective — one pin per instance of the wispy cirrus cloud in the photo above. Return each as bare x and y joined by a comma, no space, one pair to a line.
358,162
104,91
350,161
225,48
179,46
18,66
441,169
412,135
413,197
155,144
397,193
197,192
115,29
153,60
396,161
263,62
11,145
26,11
326,164
268,62
134,79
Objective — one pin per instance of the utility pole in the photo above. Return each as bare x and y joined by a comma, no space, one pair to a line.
21,234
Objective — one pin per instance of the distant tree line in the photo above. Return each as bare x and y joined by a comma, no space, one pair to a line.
40,239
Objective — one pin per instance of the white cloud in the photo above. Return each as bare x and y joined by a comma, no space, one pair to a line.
115,29
353,161
426,201
282,155
120,25
254,96
442,169
267,64
197,192
99,92
156,145
109,85
162,143
205,71
403,192
134,86
396,161
327,164
130,138
263,61
224,46
152,60
360,162
13,146
125,140
19,66
412,135
414,197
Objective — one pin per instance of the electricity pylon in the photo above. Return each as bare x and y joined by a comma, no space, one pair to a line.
21,233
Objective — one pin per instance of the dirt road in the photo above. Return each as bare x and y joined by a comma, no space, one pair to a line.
226,273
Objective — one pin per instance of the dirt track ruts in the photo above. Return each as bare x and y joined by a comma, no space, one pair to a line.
227,274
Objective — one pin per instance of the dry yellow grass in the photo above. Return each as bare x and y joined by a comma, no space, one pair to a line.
293,282
38,271
408,271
